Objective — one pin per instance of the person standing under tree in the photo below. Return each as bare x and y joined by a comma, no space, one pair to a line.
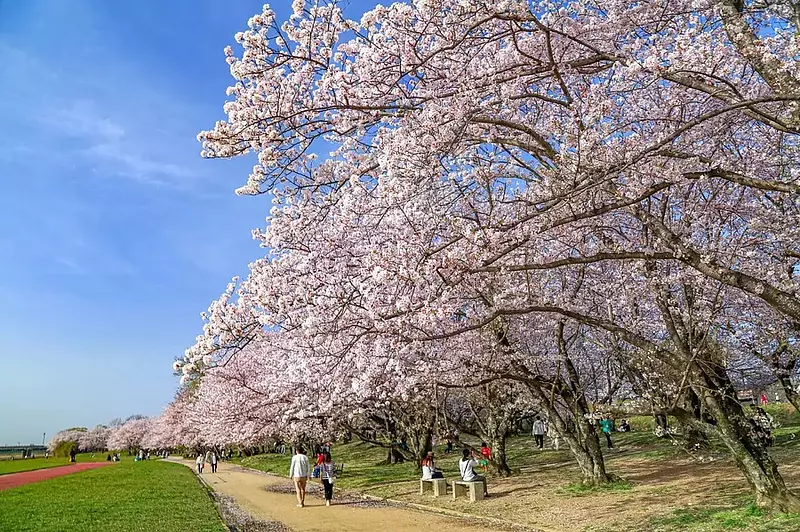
539,430
72,454
486,453
298,472
213,462
606,425
199,462
328,475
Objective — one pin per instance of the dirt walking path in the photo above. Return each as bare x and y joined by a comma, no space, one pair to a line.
249,489
12,480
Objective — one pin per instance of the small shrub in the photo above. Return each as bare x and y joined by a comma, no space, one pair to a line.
63,449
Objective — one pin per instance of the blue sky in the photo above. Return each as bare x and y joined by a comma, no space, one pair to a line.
114,233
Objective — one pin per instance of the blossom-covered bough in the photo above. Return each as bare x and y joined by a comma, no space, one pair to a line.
500,170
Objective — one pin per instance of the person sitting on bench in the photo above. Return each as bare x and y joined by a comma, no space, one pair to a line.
429,471
466,465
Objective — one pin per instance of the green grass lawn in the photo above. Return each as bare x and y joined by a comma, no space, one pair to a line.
745,518
151,496
19,465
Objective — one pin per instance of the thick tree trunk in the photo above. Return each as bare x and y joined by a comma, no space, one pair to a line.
581,437
791,395
588,455
737,432
394,456
498,462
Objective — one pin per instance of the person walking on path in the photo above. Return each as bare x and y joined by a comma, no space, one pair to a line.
539,430
213,462
298,472
199,461
606,425
328,475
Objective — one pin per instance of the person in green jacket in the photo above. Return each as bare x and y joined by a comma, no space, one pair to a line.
607,425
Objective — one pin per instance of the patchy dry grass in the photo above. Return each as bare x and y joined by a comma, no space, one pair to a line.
665,489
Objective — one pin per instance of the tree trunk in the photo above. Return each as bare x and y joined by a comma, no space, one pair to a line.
394,456
737,432
498,462
581,437
589,457
791,395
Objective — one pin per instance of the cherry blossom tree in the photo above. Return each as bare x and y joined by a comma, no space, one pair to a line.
631,171
94,439
129,436
73,435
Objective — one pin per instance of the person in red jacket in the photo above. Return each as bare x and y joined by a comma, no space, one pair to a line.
487,455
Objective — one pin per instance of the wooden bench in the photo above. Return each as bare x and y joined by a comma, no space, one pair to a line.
339,469
438,485
475,489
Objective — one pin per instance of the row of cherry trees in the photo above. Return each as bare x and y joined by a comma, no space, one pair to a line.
134,433
483,209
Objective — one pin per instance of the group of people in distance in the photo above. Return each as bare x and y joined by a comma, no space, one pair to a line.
300,470
542,428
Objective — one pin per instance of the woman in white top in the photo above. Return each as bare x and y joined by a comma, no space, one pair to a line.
429,471
466,465
199,461
328,474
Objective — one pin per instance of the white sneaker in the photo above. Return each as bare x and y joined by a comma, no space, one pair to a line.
327,503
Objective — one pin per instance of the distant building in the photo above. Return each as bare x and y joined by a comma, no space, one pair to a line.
752,395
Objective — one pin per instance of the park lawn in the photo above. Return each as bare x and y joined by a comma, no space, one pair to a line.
151,496
664,489
30,464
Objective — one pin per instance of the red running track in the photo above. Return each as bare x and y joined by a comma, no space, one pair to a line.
14,480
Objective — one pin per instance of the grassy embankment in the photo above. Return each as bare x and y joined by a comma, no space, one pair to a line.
124,497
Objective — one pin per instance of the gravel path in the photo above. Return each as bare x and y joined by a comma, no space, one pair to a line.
272,499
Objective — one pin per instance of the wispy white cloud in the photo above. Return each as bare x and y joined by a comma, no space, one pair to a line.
116,131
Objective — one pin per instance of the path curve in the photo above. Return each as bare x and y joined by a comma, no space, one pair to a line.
247,488
13,480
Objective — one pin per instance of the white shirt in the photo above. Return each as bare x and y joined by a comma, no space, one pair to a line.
427,472
465,466
299,466
539,428
199,459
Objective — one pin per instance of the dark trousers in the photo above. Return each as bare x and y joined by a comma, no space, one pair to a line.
608,440
213,467
539,440
328,485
